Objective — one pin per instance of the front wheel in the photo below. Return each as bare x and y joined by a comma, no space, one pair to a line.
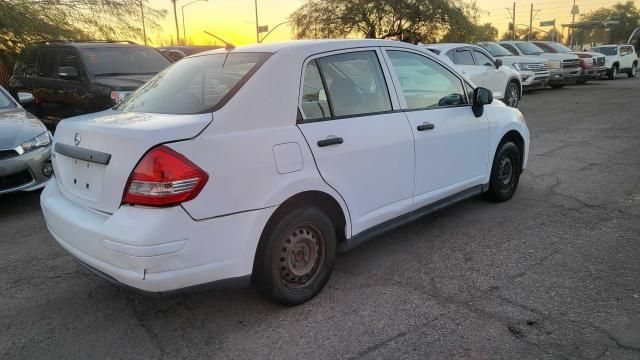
613,73
632,72
295,256
512,94
505,173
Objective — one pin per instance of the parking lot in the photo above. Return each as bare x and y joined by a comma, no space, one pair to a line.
553,273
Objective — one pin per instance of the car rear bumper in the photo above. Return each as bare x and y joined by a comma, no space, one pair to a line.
24,172
156,250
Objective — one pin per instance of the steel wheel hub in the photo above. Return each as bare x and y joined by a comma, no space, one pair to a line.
300,257
505,171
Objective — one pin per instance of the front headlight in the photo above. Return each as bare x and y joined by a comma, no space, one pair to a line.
39,141
518,67
554,64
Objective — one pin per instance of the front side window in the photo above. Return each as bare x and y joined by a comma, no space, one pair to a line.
69,58
354,84
194,85
47,63
121,60
425,83
482,59
463,57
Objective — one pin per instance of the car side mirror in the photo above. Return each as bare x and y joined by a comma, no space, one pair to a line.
498,63
481,97
25,98
68,72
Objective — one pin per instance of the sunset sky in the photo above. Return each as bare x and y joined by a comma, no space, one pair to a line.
234,20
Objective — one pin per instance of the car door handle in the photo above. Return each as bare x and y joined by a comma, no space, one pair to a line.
426,126
330,141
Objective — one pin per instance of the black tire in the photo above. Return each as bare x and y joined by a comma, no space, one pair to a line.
557,86
633,71
512,94
295,256
611,75
505,173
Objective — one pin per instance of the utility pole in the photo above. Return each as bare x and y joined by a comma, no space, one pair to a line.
257,23
513,21
530,23
175,15
144,29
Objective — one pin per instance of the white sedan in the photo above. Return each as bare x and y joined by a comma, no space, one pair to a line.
260,163
483,70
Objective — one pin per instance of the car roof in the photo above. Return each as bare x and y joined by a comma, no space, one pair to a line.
312,46
89,44
444,47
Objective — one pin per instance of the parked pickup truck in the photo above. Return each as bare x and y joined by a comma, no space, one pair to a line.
534,71
564,68
619,58
591,63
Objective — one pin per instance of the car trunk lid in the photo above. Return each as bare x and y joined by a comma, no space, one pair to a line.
96,153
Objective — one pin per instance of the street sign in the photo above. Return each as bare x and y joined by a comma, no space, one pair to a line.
263,28
548,23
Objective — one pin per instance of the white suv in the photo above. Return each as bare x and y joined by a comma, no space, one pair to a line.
483,70
534,71
619,58
259,163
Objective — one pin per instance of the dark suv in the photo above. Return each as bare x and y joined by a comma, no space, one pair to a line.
73,78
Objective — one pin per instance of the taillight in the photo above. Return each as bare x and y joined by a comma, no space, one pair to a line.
163,178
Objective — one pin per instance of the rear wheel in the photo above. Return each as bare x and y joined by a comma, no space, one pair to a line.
613,72
512,94
295,256
632,72
505,173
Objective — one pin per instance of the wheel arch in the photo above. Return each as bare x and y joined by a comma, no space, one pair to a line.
515,137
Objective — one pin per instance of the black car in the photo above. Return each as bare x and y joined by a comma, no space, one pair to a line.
73,78
178,52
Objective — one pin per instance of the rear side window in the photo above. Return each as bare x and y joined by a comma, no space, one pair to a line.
463,57
194,85
47,63
354,84
314,98
26,63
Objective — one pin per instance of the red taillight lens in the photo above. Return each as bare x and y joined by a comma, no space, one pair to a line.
163,178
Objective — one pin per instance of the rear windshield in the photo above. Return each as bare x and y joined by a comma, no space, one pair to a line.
558,47
529,48
194,85
495,50
607,50
133,60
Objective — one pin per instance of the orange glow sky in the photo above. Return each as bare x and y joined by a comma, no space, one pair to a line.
234,20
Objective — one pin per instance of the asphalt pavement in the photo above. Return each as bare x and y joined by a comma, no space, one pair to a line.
552,274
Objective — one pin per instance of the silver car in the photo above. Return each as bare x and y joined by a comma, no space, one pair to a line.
25,146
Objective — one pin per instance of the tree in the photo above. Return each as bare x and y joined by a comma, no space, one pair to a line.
407,20
626,13
27,21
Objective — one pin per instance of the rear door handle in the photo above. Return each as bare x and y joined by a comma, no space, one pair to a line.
330,141
426,126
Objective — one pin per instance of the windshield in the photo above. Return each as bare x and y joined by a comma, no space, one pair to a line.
194,85
496,50
529,48
606,50
6,102
558,47
134,60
